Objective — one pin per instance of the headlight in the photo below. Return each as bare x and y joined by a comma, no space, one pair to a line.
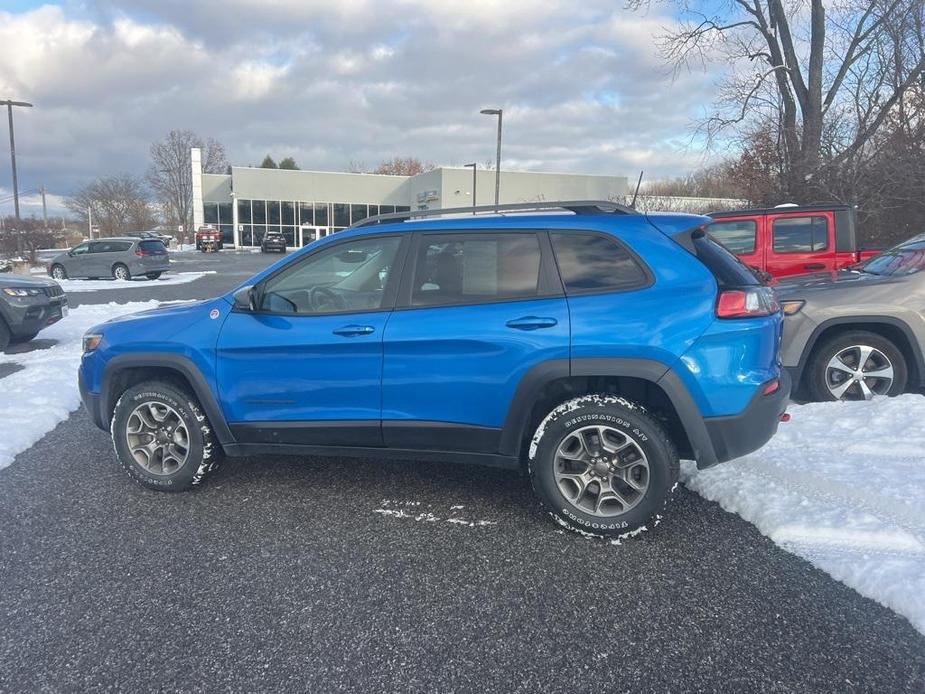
792,307
20,291
91,341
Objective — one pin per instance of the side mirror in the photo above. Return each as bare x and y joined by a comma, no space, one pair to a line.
70,254
246,299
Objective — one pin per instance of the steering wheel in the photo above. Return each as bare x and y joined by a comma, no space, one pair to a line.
323,299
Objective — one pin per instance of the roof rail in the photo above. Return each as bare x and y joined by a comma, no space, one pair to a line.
576,206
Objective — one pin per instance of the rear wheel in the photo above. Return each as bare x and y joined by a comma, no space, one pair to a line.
162,439
152,275
120,272
602,466
857,366
58,272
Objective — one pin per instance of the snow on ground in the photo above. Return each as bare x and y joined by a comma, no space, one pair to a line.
843,486
79,286
34,400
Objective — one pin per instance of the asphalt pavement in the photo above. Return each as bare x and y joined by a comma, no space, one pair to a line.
318,574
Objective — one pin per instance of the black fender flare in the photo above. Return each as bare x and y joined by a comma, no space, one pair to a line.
182,365
897,323
655,372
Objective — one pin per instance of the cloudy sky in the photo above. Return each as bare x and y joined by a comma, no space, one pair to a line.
337,81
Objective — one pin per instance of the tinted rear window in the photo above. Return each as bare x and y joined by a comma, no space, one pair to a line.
728,270
153,246
594,263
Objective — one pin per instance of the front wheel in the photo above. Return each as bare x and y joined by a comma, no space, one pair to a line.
58,272
857,366
120,272
162,439
602,466
152,275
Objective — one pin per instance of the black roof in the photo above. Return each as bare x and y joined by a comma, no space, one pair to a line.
835,207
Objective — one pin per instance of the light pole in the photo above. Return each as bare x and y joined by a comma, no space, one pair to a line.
473,185
496,112
9,110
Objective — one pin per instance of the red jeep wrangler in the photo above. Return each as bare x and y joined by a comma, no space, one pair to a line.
791,240
208,238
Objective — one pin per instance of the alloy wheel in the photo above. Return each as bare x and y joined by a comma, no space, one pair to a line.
58,272
601,471
121,273
859,372
157,438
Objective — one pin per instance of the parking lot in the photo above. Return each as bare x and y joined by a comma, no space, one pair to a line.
355,575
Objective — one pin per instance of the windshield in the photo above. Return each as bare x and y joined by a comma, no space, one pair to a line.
905,259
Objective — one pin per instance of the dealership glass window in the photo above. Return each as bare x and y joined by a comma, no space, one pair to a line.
290,234
227,234
273,216
247,238
210,212
800,234
459,269
738,236
260,211
258,235
244,211
403,208
225,213
306,214
321,214
386,209
357,213
373,210
341,215
288,213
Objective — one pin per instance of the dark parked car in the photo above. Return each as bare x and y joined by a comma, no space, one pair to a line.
120,258
28,304
591,348
857,333
273,241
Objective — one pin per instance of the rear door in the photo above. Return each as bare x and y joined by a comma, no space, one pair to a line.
740,235
476,312
800,243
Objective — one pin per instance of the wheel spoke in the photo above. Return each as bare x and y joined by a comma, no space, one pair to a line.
865,390
884,372
864,352
580,481
838,363
839,390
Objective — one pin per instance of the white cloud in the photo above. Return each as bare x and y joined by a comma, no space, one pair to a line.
334,82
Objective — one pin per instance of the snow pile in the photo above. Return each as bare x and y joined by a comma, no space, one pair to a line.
843,486
34,400
79,286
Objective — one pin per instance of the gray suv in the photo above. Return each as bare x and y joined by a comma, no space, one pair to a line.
120,258
860,332
28,304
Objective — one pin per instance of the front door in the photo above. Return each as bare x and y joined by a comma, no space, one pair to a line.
306,367
475,313
800,243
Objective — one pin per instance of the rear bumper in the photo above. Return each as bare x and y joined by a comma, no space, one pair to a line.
91,402
741,434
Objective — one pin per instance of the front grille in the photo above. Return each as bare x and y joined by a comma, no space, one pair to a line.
54,291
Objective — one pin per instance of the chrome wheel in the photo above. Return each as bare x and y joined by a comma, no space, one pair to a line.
157,438
601,471
58,272
859,372
120,272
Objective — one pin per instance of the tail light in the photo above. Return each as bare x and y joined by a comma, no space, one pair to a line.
753,302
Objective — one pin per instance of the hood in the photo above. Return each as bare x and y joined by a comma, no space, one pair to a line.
169,310
822,281
26,281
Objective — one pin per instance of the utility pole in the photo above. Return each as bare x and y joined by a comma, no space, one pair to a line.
496,112
9,111
89,222
44,208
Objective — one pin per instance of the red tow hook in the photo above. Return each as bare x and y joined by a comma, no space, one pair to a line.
785,417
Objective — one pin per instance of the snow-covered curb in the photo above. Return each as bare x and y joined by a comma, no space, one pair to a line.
80,286
35,399
843,486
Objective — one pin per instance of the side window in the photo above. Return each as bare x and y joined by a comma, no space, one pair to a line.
81,249
594,263
738,236
801,234
471,268
348,276
99,247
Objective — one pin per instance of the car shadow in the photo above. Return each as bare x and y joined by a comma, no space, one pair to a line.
10,368
31,346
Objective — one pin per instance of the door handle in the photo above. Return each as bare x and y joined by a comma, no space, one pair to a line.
814,266
531,323
354,330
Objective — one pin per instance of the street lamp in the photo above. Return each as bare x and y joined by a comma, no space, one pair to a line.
9,110
496,112
473,185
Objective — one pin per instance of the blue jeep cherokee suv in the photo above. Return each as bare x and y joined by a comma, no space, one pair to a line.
589,342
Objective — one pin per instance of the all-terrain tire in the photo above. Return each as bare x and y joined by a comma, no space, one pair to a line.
628,422
816,376
204,453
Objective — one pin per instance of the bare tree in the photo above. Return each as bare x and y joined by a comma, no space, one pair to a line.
826,79
170,173
29,234
403,166
117,203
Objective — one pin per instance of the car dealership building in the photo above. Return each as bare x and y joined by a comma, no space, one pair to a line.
305,205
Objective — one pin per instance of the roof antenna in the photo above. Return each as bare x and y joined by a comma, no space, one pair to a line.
636,192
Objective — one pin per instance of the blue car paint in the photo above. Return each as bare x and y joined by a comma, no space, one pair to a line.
459,364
